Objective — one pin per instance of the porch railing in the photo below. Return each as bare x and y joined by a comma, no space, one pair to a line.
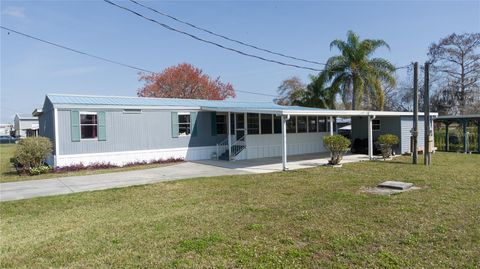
222,147
238,146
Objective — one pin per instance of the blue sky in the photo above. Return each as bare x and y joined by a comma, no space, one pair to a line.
30,69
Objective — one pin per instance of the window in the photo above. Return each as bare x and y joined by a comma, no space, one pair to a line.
184,124
322,124
221,124
266,120
312,124
132,111
277,124
88,125
376,125
253,123
301,124
292,125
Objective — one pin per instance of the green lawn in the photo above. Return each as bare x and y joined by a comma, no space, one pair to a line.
299,219
9,174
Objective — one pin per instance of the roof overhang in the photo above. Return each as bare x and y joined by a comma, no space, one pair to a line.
314,112
37,112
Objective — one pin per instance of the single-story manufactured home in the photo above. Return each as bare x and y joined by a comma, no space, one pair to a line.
25,125
120,130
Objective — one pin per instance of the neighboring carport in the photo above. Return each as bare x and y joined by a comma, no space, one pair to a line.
464,121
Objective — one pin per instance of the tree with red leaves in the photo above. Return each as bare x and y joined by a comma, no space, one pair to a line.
184,81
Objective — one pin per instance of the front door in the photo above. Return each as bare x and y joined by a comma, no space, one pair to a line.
239,125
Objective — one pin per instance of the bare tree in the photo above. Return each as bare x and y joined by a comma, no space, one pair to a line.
456,66
291,92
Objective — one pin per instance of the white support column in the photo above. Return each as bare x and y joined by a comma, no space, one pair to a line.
284,142
229,136
370,137
259,123
331,125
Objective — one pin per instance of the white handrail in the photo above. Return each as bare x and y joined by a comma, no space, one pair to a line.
238,146
222,147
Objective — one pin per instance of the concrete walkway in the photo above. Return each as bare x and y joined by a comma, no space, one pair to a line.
64,185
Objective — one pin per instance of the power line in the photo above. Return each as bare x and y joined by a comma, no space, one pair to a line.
225,37
208,41
76,51
99,57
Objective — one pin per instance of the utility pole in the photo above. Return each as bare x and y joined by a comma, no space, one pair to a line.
426,117
415,113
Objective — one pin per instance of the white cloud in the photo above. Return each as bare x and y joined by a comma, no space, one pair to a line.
16,12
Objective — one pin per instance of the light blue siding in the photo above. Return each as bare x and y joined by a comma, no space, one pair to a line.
148,130
388,125
46,122
407,125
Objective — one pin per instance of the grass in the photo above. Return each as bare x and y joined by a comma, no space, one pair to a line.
9,174
298,219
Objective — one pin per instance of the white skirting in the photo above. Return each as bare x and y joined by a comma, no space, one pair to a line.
124,157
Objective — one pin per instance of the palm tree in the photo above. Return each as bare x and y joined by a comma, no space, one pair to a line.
355,75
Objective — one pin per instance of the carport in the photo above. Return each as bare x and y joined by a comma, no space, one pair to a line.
462,120
244,146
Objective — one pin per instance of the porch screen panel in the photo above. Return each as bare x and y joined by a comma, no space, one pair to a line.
292,125
301,124
322,124
266,120
277,124
312,124
253,123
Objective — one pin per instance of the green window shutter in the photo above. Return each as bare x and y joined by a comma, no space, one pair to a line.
101,127
75,125
214,123
174,124
193,123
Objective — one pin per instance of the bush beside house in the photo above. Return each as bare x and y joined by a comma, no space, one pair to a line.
31,154
387,141
338,145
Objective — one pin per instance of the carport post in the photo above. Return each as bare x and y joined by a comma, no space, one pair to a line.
447,137
229,136
370,137
478,136
465,136
331,125
284,142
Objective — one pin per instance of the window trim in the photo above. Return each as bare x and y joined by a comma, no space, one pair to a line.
189,123
80,113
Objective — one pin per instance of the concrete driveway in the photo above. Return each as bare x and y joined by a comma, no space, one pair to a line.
64,185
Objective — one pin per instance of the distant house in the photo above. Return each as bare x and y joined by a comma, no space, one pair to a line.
25,125
119,130
5,128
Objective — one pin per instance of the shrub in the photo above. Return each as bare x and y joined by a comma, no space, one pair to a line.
338,145
386,142
31,152
42,169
